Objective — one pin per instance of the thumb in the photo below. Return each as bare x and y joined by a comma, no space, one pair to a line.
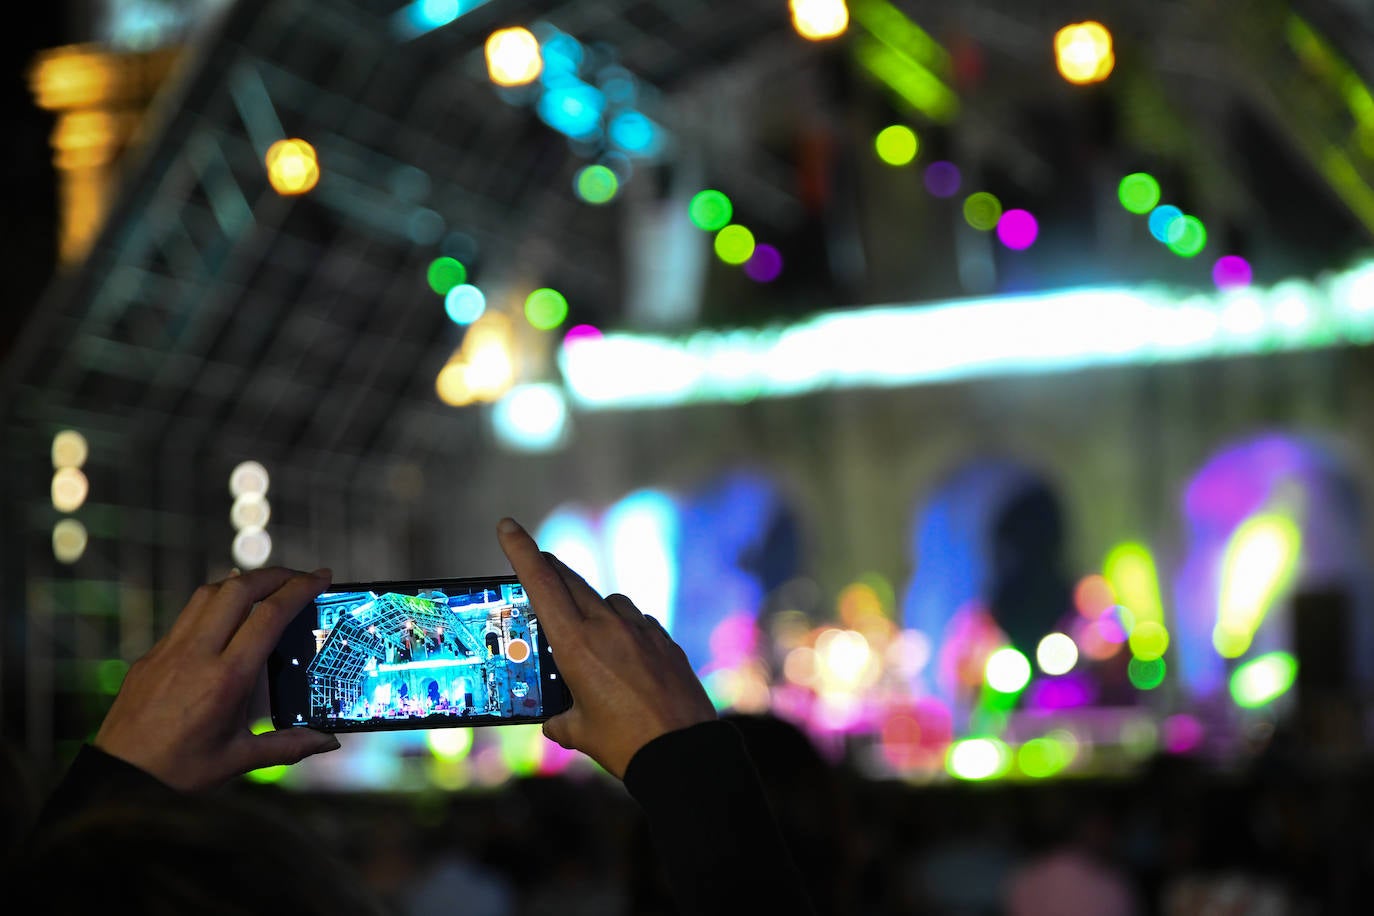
561,728
285,746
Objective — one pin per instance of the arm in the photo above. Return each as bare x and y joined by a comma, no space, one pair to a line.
640,711
181,719
719,844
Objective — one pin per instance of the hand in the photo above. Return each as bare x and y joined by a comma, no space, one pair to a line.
629,681
183,712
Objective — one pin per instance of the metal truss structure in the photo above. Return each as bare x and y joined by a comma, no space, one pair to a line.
214,320
367,633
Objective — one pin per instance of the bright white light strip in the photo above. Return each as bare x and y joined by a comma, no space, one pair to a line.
890,346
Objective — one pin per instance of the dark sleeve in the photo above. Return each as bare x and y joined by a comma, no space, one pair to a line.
719,844
94,778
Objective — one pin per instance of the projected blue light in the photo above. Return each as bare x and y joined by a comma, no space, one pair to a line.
571,534
736,544
641,532
635,133
574,110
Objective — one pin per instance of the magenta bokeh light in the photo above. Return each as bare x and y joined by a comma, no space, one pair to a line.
1182,733
581,332
1017,229
943,179
764,264
1069,691
1232,272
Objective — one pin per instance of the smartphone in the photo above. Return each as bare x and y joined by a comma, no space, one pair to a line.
425,653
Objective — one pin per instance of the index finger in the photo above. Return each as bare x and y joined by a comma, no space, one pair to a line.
217,610
549,596
274,609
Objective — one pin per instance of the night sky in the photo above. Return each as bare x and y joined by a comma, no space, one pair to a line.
28,251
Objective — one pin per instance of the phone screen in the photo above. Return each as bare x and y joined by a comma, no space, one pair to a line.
417,654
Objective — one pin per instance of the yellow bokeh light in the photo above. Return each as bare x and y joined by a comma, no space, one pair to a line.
68,540
483,368
817,20
292,167
860,608
1231,642
449,743
452,385
513,57
69,449
69,489
1083,52
1258,567
799,666
846,662
489,351
490,372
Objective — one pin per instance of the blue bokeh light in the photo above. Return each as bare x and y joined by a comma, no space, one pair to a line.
574,110
465,303
635,133
1161,218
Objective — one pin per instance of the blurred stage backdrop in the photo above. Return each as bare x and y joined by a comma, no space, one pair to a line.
979,386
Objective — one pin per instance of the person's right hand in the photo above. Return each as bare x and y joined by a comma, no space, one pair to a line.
183,713
629,681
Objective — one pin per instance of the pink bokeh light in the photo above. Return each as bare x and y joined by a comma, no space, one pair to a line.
581,332
1232,272
1018,229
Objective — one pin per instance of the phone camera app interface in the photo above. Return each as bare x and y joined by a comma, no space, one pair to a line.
438,655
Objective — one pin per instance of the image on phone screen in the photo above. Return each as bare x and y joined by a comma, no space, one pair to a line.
415,655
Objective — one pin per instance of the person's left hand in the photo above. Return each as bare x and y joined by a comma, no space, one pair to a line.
183,712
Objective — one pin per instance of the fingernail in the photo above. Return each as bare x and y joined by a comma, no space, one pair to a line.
509,525
324,572
329,743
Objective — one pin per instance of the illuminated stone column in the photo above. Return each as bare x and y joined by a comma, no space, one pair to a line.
100,97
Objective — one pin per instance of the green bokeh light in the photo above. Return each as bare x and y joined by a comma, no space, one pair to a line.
734,244
596,184
1146,674
977,759
1187,236
522,748
1138,192
265,774
446,273
1149,640
982,210
710,210
1263,679
546,309
109,675
1007,670
1041,757
449,743
896,145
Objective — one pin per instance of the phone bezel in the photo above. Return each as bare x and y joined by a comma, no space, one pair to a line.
553,689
